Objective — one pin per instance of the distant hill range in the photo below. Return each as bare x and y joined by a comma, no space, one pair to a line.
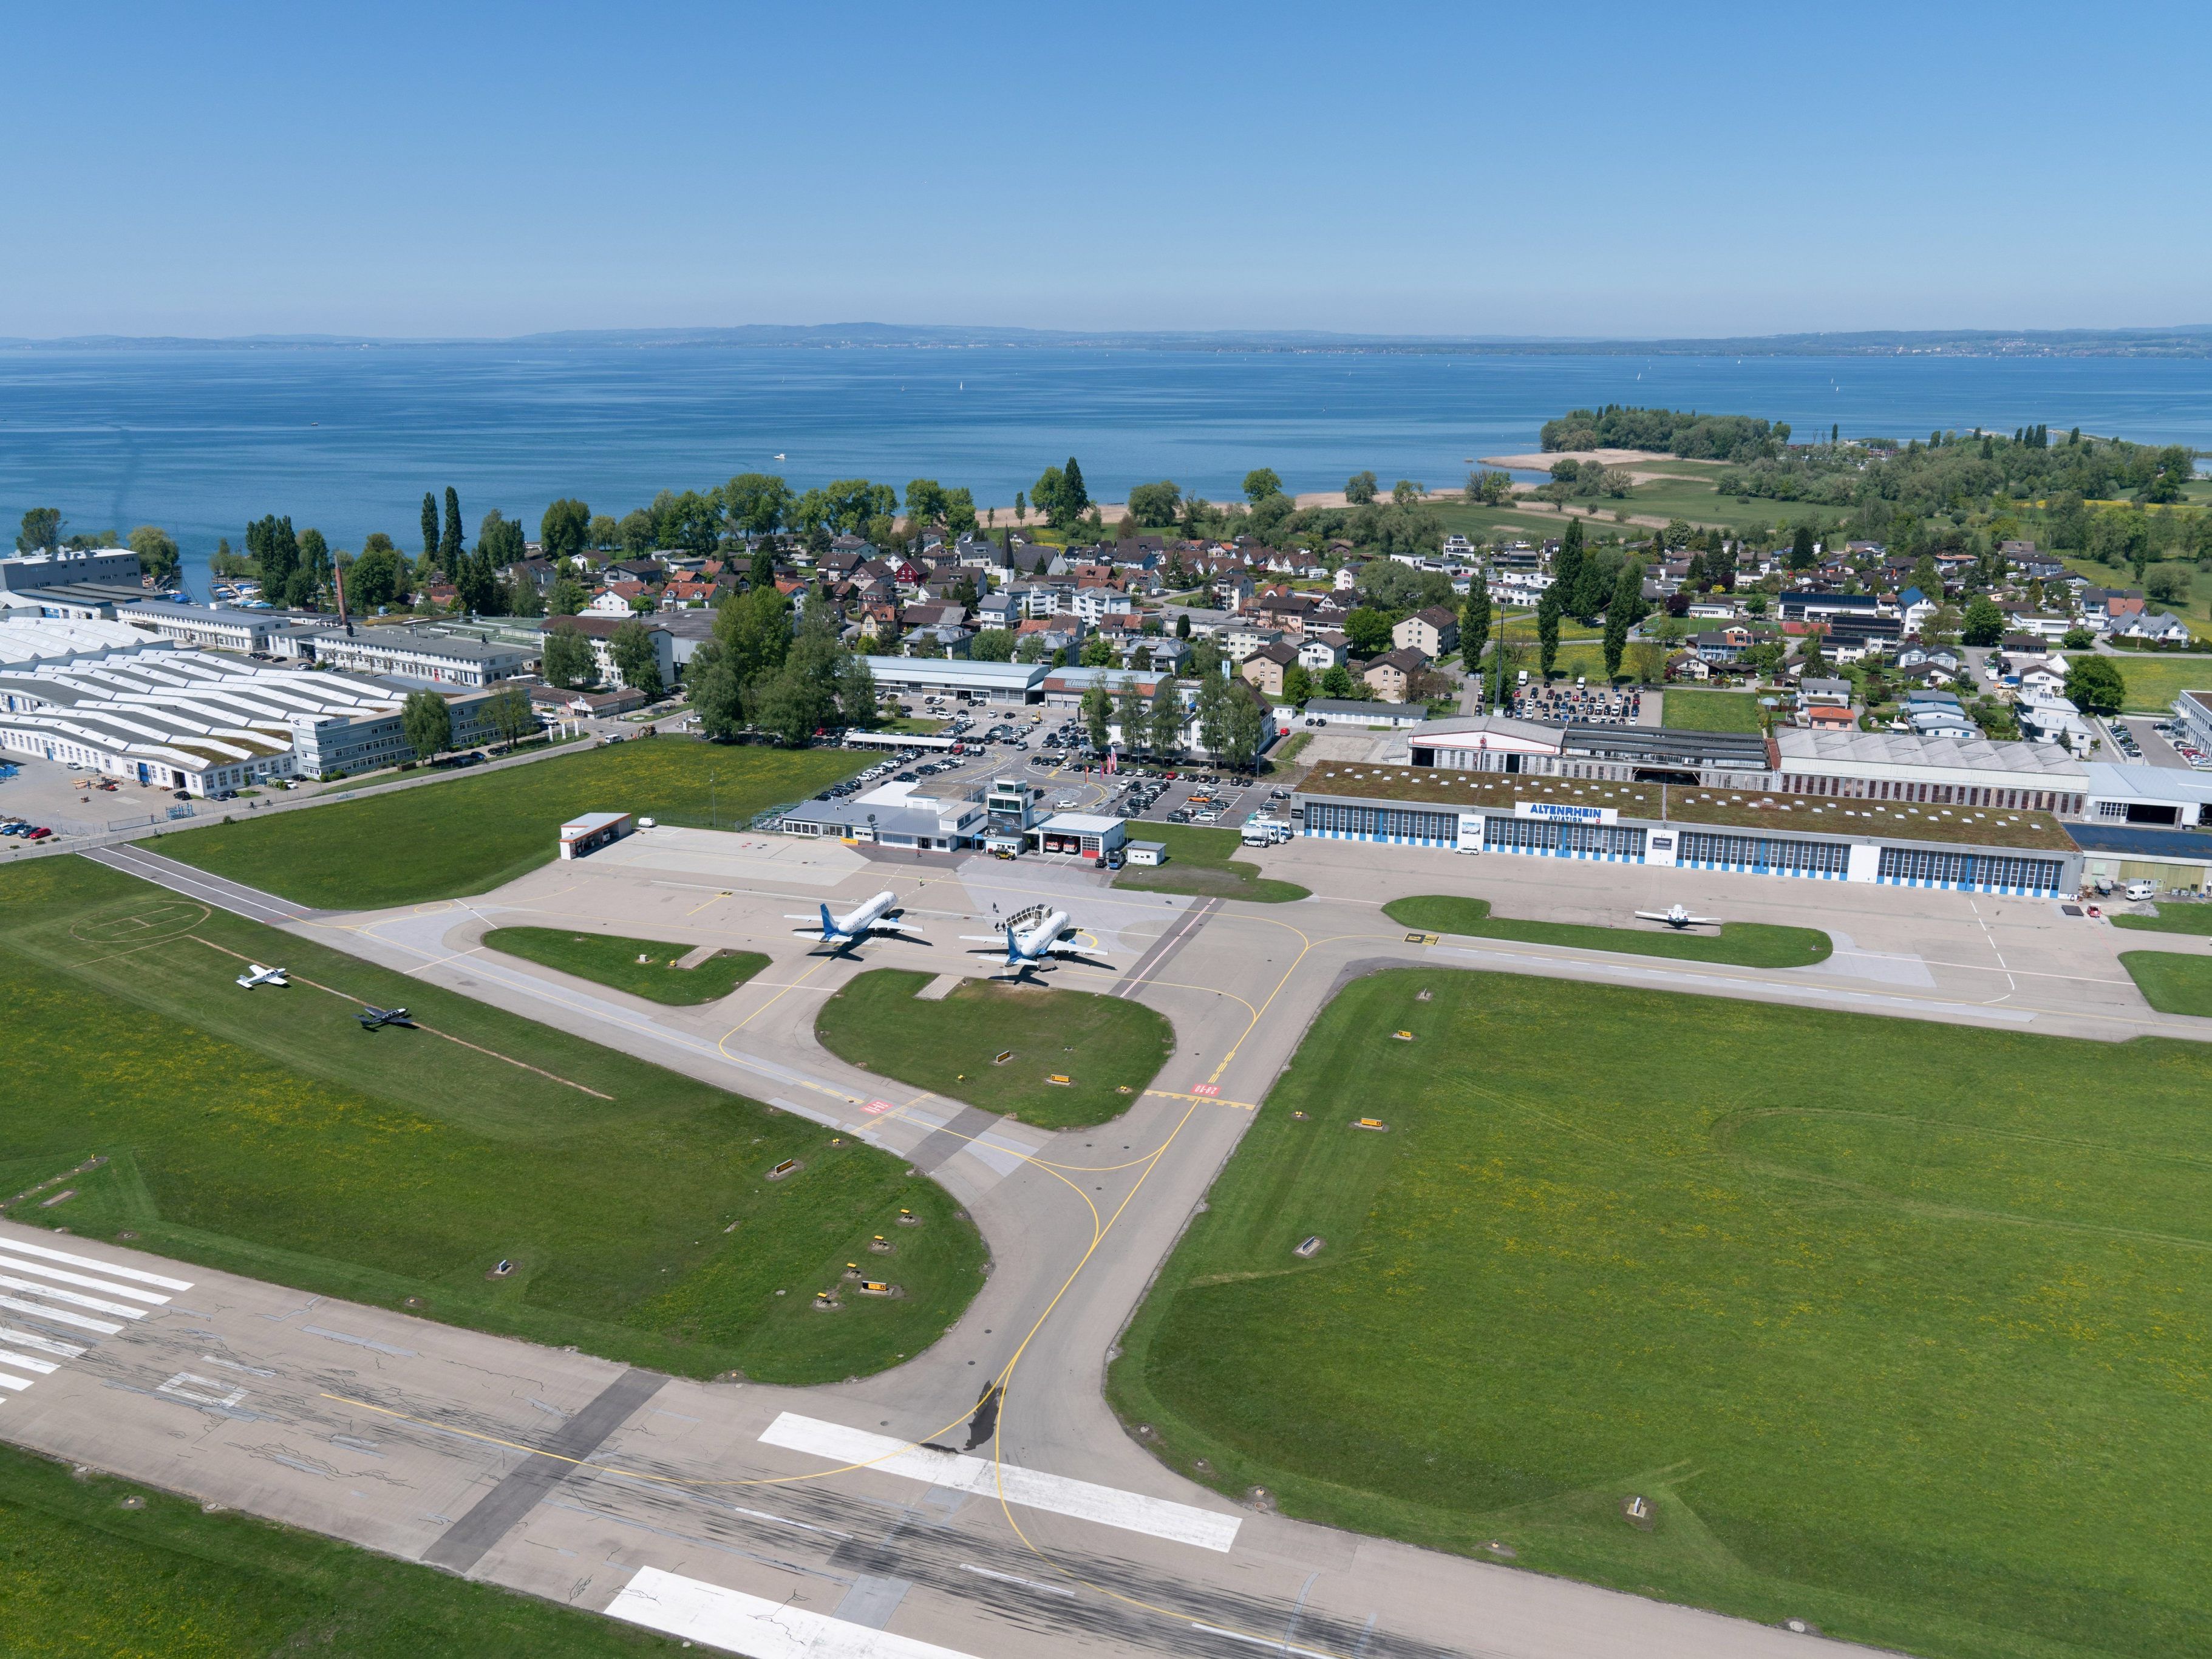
2192,340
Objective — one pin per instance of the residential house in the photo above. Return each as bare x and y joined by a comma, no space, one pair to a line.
1721,645
1826,717
1265,667
1815,693
921,616
1433,633
1094,604
614,600
999,610
2157,627
1244,638
1392,675
1318,651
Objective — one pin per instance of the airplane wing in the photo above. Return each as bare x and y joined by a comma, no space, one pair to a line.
882,925
1653,915
1061,947
998,940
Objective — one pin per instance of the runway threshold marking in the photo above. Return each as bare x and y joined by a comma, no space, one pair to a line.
1059,1494
731,1620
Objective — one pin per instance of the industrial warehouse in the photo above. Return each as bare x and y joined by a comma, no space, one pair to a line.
1753,832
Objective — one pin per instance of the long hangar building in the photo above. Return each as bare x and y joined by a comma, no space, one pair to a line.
1977,823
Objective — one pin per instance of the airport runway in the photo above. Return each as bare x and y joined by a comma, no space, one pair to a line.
980,1499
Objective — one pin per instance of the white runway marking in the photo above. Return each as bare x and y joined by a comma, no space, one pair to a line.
137,1276
54,1292
197,1389
14,1383
62,1275
24,1362
59,1317
1083,1500
41,1344
728,1619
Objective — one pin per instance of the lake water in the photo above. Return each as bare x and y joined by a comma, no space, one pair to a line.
348,439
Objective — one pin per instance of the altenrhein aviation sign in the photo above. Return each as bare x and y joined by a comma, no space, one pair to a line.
1552,809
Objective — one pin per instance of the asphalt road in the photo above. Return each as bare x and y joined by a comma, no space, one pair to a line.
980,1499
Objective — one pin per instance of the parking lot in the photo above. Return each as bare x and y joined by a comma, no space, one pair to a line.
1054,754
50,795
1578,704
2148,741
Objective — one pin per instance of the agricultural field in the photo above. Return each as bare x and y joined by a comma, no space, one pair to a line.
473,834
1109,1050
1744,943
265,1132
1710,711
1201,862
88,1576
1893,1334
643,967
2171,982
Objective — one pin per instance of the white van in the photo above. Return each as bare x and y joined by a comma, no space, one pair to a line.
2137,891
1263,832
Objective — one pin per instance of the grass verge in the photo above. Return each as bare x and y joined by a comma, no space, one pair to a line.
2154,683
2170,918
1894,1336
1201,862
87,1576
265,1133
1710,711
609,959
480,830
1102,1044
1744,943
2171,982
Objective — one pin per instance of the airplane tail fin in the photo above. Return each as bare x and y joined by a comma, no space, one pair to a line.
827,930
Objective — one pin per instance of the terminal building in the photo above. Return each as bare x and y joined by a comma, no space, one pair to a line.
1753,832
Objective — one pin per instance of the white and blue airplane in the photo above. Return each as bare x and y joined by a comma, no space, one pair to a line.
877,916
1033,946
1678,915
256,975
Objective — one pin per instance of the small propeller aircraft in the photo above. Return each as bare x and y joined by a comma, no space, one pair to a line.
1678,915
256,975
879,916
373,1018
1033,945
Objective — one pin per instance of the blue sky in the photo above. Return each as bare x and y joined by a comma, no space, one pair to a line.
400,169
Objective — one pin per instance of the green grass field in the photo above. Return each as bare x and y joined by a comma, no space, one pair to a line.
1203,862
264,1132
87,1576
476,832
2169,918
1710,711
2171,982
1746,943
1902,1329
2154,681
393,775
611,960
1103,1045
